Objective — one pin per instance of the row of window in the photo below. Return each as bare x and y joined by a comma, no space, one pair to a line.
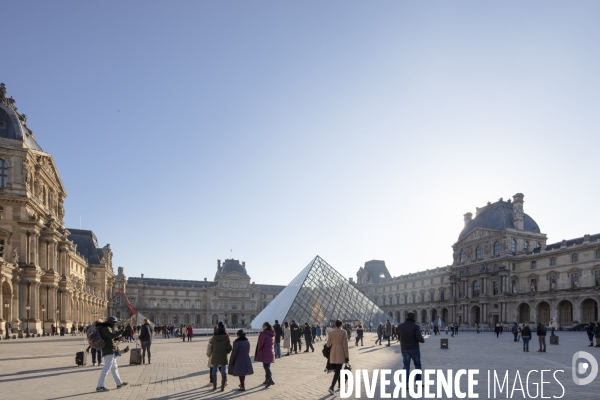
413,284
186,304
479,250
574,259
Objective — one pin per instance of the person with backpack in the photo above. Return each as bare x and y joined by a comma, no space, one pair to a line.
111,352
145,337
541,334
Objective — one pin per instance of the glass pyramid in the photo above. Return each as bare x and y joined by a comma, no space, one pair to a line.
320,294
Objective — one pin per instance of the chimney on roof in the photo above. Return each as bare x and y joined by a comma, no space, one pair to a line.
142,276
204,279
518,215
244,264
218,265
468,218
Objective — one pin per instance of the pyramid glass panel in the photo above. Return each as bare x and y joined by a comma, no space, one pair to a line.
320,294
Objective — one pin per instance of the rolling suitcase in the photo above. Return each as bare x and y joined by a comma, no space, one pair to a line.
81,358
135,356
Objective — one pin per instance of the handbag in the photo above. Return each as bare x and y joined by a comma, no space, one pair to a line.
348,367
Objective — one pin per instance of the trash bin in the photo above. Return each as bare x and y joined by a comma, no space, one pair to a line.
553,339
444,343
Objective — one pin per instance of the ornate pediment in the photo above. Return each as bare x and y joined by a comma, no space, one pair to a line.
478,234
46,163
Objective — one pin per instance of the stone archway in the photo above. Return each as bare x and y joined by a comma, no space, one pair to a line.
163,319
423,317
433,314
589,311
234,319
524,313
565,312
445,315
475,315
543,312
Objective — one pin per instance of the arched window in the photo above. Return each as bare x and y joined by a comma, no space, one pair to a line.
478,253
3,173
476,288
463,256
497,248
513,246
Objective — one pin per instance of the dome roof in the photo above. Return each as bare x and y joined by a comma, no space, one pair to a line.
498,216
233,266
12,124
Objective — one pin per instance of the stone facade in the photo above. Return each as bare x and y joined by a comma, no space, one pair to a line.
230,297
45,279
503,272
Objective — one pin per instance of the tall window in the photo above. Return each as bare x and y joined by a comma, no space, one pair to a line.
495,288
533,264
187,304
164,304
175,303
513,246
574,257
3,173
597,275
476,289
478,252
442,292
2,248
497,248
598,253
553,261
198,304
575,280
414,298
526,246
463,256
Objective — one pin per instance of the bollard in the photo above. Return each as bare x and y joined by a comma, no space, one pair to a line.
444,343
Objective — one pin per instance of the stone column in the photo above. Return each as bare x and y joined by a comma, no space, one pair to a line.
14,308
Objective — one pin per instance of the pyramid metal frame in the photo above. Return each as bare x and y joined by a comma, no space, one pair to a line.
320,294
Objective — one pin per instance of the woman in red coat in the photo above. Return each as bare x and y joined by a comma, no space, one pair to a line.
190,333
265,351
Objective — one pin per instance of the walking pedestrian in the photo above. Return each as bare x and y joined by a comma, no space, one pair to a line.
221,346
526,335
240,364
552,326
265,352
111,352
182,332
318,332
497,329
145,337
515,330
190,333
278,335
308,337
410,337
379,333
337,341
359,334
519,331
287,337
541,334
477,328
295,336
590,332
597,334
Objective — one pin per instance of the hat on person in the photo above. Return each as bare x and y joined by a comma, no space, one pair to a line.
111,320
221,328
410,316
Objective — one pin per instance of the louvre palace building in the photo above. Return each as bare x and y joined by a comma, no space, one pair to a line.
503,271
231,297
50,275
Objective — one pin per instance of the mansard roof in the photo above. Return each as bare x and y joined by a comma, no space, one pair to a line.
497,216
12,124
231,265
169,282
377,271
87,244
571,242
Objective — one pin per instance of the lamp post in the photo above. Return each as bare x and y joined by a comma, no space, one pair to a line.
27,307
43,320
6,305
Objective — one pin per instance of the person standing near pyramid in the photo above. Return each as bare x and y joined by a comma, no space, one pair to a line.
295,336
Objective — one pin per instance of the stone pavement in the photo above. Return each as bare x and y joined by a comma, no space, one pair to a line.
43,368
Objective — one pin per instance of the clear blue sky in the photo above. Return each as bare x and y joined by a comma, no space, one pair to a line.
283,130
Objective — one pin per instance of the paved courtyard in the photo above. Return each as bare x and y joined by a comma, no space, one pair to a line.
43,368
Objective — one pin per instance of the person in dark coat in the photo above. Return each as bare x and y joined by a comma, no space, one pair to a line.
308,337
265,352
526,335
590,332
278,336
145,338
379,333
388,332
295,336
221,346
359,334
110,352
410,337
515,330
541,334
313,330
240,363
597,334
